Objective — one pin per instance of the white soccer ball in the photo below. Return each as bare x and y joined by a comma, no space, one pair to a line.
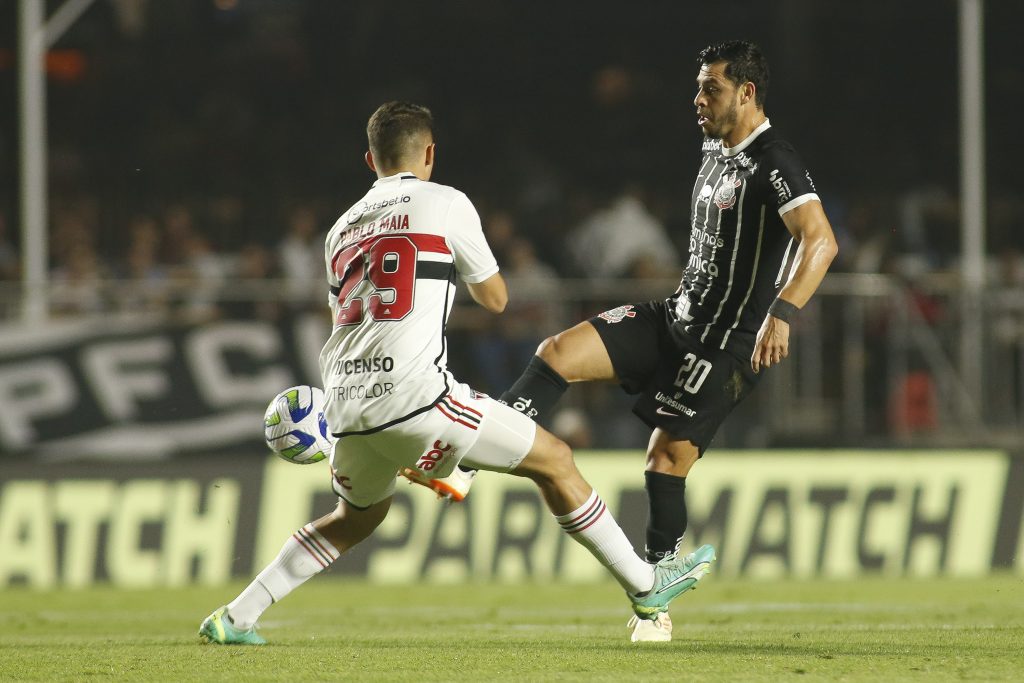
295,427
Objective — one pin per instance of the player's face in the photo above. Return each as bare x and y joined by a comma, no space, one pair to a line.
716,101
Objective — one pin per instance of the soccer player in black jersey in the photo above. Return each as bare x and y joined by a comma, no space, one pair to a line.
692,357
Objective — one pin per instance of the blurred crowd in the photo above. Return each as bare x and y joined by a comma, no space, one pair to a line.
200,150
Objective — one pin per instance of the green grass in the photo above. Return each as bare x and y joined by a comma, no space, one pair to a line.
350,631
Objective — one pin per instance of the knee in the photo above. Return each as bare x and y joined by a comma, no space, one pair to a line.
561,457
676,459
346,525
550,351
554,463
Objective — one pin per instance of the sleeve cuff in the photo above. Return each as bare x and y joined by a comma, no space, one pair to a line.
481,276
797,201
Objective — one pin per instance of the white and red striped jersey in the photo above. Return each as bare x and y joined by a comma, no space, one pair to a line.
391,265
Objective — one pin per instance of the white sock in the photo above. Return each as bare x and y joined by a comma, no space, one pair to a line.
304,555
593,527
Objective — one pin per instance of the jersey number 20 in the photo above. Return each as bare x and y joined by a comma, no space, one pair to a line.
692,373
389,265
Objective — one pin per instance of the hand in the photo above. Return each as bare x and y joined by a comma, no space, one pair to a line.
772,343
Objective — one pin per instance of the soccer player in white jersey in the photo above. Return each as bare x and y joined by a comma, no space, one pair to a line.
392,260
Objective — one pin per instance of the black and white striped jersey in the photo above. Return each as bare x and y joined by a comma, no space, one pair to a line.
739,245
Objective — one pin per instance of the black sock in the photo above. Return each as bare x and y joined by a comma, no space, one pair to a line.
666,523
536,391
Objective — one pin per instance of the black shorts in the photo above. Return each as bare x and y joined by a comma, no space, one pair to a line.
686,388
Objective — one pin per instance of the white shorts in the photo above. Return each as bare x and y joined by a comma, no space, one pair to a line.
465,426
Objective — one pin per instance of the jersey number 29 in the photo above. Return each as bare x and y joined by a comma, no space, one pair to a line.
389,265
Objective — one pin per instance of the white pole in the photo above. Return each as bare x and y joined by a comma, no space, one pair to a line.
36,37
972,192
32,109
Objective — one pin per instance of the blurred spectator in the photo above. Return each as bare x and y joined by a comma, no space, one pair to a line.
178,247
72,232
506,344
77,282
301,258
1007,270
150,287
623,239
1007,329
929,221
255,267
203,276
868,235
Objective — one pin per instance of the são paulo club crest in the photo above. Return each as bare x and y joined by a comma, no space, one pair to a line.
617,314
725,197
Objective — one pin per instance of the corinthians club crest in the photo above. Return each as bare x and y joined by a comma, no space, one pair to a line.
617,314
725,196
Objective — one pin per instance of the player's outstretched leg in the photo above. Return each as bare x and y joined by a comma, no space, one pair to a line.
580,512
309,551
673,576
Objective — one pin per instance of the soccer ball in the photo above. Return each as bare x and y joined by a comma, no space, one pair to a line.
295,427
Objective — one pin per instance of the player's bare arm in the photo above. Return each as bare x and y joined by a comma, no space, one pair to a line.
492,293
815,251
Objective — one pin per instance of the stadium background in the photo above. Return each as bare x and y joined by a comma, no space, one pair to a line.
199,150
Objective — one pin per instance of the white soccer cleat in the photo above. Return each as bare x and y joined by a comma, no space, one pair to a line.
657,630
454,487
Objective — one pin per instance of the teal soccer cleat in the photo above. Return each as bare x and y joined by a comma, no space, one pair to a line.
673,576
217,628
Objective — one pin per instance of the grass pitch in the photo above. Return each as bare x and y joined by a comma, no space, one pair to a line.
331,630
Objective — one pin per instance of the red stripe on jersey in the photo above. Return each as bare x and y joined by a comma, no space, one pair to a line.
425,242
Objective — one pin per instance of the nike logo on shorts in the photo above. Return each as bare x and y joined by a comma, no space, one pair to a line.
661,411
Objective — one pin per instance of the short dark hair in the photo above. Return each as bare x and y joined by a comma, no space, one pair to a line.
744,62
393,127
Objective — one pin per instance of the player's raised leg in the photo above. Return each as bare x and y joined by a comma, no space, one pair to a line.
308,551
575,355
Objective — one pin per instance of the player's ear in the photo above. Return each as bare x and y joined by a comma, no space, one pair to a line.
748,92
428,160
369,161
